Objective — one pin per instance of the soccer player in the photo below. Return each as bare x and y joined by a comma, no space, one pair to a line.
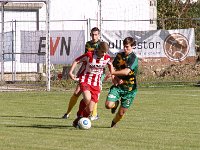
124,88
90,78
89,46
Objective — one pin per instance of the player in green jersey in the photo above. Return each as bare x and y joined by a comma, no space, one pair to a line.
124,88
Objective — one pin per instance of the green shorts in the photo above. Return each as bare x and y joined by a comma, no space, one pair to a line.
126,96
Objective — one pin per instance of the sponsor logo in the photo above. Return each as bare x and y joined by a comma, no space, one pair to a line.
128,102
176,47
97,66
111,96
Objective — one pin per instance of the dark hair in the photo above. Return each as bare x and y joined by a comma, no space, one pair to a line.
129,40
103,45
95,29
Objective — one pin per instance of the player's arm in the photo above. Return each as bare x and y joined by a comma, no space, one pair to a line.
116,81
131,64
71,75
115,76
80,59
123,72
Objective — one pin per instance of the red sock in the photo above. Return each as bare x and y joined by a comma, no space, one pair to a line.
82,107
86,113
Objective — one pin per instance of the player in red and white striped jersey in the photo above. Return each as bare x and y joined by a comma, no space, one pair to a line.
93,67
89,46
90,78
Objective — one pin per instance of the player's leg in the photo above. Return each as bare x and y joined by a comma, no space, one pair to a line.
113,97
85,88
87,112
126,101
95,115
83,111
95,92
119,115
84,103
72,101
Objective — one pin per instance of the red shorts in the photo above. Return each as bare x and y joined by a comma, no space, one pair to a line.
94,90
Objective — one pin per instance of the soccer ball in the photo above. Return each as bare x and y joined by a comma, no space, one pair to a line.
84,123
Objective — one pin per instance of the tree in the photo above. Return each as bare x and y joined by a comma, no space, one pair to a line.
176,14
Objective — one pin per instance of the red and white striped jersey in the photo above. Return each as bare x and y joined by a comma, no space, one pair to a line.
92,67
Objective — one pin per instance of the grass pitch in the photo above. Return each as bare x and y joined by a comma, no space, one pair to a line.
160,119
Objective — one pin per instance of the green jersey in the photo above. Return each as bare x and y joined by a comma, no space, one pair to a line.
91,46
122,61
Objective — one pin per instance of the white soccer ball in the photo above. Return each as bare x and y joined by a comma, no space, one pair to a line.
84,123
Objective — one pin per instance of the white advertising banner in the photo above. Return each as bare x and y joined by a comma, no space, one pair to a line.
65,46
175,45
157,45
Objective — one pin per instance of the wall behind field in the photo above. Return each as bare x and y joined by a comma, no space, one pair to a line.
123,11
116,15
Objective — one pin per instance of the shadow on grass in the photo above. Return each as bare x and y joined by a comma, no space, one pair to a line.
102,127
42,117
42,126
46,126
51,126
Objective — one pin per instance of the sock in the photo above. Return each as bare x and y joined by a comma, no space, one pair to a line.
72,103
94,112
82,108
117,118
86,113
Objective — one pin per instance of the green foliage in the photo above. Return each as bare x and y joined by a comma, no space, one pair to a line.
171,12
174,14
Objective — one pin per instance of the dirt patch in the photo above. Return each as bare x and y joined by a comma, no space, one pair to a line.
174,72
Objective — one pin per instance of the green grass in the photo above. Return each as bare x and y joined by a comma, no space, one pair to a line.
160,119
